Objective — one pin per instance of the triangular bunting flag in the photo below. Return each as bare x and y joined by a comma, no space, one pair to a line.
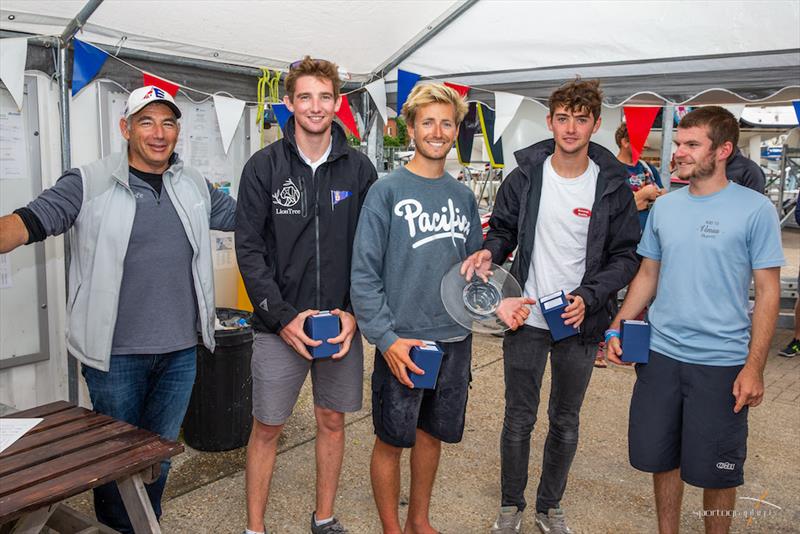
505,107
282,113
150,79
13,53
735,109
86,63
495,150
345,115
377,91
466,134
796,104
405,83
639,121
229,112
460,89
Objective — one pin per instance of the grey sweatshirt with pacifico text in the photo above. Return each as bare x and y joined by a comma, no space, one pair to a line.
411,231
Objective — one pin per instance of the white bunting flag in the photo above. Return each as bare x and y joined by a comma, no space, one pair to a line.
229,111
13,53
735,109
505,107
377,90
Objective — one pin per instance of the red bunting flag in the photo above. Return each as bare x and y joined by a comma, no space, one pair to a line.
345,115
460,89
169,87
639,121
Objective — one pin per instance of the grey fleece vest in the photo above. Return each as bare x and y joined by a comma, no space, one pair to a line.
98,244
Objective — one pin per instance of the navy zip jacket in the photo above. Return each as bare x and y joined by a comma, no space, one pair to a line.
611,260
295,229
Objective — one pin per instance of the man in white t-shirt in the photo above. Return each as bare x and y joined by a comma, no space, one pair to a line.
569,210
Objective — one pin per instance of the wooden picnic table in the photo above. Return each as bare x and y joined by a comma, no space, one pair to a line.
73,450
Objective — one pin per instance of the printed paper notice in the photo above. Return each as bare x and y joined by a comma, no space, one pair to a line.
13,148
5,272
13,429
223,252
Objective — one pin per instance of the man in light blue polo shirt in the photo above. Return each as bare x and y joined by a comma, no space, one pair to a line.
701,247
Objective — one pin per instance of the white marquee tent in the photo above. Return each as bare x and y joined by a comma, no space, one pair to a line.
647,52
675,48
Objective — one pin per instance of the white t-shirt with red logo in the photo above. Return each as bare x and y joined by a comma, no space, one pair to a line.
559,249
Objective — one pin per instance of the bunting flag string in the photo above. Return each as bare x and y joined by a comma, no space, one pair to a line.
405,83
345,115
13,54
282,113
377,91
86,63
639,121
506,106
463,90
89,59
229,112
152,79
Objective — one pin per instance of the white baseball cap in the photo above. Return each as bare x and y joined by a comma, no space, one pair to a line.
149,94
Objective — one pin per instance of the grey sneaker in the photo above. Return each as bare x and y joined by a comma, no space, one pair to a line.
334,527
508,521
553,522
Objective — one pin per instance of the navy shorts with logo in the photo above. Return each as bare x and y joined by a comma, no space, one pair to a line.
397,410
682,416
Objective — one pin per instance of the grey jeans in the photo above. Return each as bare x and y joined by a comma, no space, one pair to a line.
525,355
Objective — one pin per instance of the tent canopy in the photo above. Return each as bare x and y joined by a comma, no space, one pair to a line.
674,49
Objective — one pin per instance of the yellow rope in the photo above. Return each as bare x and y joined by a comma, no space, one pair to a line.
268,91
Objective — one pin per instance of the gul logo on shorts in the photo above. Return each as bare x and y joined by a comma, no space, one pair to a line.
582,212
728,466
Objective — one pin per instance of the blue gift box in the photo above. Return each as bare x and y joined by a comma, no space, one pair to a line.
428,358
322,327
552,307
635,338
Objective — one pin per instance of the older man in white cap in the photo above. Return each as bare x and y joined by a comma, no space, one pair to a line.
141,279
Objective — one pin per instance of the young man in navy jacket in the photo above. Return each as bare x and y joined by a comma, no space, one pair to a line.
569,209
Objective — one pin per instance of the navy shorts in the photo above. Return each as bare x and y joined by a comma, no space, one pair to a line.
397,410
682,417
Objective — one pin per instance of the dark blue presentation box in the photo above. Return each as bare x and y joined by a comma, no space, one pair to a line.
428,358
552,306
322,327
635,338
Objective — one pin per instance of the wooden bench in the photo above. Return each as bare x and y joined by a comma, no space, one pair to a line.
73,450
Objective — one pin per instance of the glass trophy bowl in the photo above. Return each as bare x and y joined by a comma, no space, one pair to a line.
473,304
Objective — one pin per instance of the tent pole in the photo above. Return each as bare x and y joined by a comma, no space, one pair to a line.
667,118
426,35
66,149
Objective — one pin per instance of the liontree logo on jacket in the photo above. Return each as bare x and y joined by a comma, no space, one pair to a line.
288,195
432,226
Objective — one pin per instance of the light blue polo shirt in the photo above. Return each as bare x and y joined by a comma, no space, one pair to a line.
708,247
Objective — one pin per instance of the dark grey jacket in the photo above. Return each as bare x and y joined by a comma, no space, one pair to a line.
745,172
611,260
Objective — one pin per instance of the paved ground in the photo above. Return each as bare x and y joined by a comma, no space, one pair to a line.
604,494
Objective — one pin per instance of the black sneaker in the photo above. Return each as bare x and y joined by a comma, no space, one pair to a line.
791,350
331,527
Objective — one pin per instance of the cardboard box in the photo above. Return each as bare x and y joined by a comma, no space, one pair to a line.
552,307
322,327
635,339
429,359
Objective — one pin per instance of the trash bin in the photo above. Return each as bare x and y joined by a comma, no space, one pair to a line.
219,416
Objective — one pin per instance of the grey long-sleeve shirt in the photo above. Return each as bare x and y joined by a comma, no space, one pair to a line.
412,230
157,307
